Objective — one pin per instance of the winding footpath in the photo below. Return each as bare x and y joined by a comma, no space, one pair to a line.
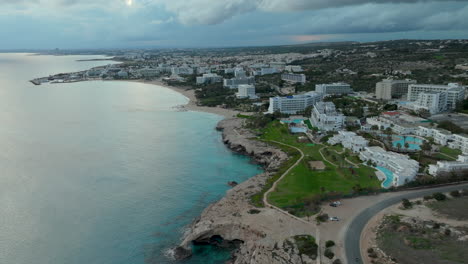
357,225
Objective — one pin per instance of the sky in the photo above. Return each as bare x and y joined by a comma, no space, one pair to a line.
74,24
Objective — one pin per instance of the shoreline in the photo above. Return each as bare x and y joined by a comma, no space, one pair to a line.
192,103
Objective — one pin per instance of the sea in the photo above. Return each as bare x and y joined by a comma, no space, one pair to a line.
103,172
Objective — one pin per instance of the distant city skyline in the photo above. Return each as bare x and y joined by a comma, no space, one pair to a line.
73,24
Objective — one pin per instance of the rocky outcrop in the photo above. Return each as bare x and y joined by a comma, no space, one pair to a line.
261,231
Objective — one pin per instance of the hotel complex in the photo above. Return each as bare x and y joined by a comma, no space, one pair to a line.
402,168
246,91
326,118
461,164
293,104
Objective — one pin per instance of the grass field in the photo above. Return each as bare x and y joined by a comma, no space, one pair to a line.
451,152
452,208
302,183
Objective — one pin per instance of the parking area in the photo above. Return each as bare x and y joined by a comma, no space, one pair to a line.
459,119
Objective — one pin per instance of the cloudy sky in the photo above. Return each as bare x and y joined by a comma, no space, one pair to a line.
214,23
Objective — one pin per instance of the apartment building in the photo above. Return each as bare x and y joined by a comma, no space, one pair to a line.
349,140
246,91
293,78
461,164
440,136
209,78
235,82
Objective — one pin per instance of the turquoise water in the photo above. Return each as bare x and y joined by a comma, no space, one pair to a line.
297,121
102,172
387,183
414,145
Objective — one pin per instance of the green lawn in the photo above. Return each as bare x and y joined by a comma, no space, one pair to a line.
451,152
302,183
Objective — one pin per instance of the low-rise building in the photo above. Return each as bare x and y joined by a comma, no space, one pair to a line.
349,140
264,71
461,164
293,104
325,117
440,136
293,78
246,91
209,78
333,88
460,141
403,169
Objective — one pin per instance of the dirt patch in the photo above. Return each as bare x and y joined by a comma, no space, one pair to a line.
456,208
413,241
317,165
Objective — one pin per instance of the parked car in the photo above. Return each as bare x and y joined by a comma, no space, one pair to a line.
335,204
334,218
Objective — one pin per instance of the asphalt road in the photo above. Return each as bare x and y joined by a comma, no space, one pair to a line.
353,234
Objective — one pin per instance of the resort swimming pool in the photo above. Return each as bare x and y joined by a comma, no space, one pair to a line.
297,121
413,142
388,177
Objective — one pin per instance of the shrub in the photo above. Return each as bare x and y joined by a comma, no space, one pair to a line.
447,232
455,194
418,202
439,196
406,203
370,250
337,261
436,226
428,197
322,218
254,211
328,253
329,243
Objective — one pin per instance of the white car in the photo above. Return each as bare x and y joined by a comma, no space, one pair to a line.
334,218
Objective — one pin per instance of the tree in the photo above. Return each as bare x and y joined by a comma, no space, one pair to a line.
406,145
398,145
406,204
388,130
426,146
328,253
439,196
329,243
375,127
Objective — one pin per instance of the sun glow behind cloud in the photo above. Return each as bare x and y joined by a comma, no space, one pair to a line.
129,2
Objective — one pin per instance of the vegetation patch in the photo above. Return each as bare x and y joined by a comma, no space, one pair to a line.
455,208
306,245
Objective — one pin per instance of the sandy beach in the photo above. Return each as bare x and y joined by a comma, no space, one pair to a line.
192,104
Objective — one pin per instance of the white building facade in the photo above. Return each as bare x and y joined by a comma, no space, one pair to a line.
403,168
235,82
294,104
246,91
460,141
449,166
325,117
440,136
349,140
209,78
293,78
455,92
433,102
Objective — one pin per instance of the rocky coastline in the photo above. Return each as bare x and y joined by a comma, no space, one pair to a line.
263,235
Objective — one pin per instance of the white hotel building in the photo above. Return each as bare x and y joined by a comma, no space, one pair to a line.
449,166
293,78
246,91
440,136
333,88
434,102
349,140
293,104
403,168
325,117
209,78
455,92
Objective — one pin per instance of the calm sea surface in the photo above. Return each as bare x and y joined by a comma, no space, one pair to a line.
102,172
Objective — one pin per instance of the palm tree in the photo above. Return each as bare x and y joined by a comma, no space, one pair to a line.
398,146
406,145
